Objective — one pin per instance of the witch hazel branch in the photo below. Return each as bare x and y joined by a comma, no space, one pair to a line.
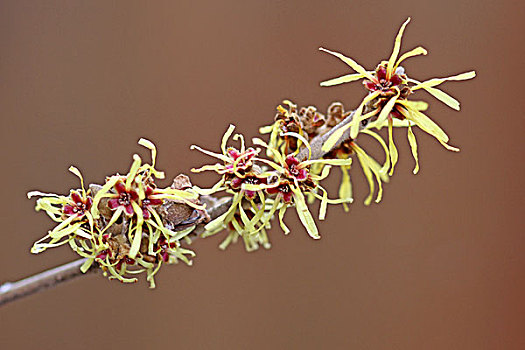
127,226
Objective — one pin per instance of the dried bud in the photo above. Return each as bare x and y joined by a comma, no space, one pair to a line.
181,182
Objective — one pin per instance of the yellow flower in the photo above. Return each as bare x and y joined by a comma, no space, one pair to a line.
71,212
389,89
132,193
245,181
265,187
139,242
295,179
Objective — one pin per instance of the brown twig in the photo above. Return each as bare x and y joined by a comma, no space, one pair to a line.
317,143
43,280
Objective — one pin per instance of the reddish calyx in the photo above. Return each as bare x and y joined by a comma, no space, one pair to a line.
164,248
382,83
295,170
79,206
249,179
283,189
241,160
148,202
123,198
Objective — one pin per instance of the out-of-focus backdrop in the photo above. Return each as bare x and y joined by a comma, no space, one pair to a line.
439,264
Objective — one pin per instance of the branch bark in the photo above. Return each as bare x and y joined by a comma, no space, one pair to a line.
317,143
36,283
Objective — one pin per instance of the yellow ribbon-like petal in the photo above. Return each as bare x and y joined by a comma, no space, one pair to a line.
137,237
133,171
395,52
345,189
443,97
414,52
425,123
436,81
79,175
430,84
392,150
285,228
353,64
343,79
149,145
212,154
378,138
413,146
225,137
385,111
353,125
304,214
363,160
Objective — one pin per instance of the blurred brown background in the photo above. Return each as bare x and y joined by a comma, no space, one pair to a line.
439,264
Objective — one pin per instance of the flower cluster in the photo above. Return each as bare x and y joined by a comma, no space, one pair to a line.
388,103
336,114
262,187
126,226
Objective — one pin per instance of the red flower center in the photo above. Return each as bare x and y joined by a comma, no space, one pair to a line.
381,82
124,199
252,180
294,171
284,188
79,205
103,254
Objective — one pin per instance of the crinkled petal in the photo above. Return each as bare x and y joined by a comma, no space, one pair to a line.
362,157
79,175
226,136
149,145
137,237
449,147
285,228
440,95
378,138
274,152
133,171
